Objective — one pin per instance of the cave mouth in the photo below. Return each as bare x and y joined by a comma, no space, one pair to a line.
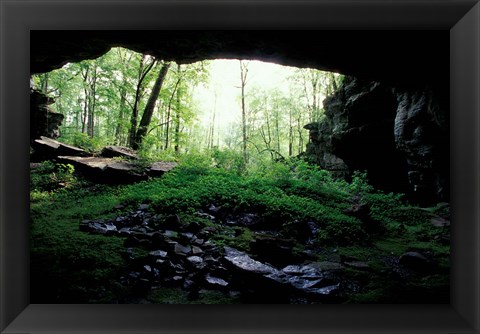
198,106
200,221
415,64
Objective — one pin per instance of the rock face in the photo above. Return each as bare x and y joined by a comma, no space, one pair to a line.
400,137
44,121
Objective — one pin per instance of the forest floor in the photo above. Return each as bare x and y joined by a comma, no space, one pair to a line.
285,233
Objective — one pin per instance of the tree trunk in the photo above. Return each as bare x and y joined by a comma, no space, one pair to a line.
91,104
177,118
150,107
118,129
243,77
142,73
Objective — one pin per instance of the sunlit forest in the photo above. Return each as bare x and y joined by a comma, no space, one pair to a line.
210,196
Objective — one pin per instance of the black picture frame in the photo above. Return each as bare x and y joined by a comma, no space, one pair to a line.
461,18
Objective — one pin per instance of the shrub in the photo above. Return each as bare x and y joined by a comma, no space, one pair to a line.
49,176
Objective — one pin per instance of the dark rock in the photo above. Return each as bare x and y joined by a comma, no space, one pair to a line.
196,250
417,261
158,254
98,227
206,215
245,219
186,237
194,227
362,212
160,167
359,265
44,122
125,231
408,128
273,250
197,262
216,282
303,231
172,222
118,151
182,250
213,209
49,148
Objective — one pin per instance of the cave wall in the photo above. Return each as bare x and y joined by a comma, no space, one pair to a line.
43,120
399,136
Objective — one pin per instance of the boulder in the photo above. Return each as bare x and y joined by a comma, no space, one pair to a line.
418,262
270,284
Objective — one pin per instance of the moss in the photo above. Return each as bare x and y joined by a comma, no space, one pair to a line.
165,295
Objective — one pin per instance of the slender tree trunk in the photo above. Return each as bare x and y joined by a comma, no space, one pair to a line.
150,107
91,104
177,118
169,112
243,77
290,133
121,115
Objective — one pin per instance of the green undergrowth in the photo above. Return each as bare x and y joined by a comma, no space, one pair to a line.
68,264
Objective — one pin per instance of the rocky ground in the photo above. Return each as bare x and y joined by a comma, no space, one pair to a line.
169,258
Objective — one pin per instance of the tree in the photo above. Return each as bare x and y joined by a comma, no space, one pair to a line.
243,83
143,70
150,107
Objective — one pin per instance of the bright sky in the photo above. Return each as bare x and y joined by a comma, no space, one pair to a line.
225,83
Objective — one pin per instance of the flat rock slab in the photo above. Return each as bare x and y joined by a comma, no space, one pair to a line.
98,162
160,167
118,151
50,147
113,170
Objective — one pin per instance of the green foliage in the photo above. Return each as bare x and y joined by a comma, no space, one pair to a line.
84,141
49,177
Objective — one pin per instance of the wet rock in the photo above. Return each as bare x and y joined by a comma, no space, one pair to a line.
98,227
158,254
197,262
182,250
205,215
216,282
186,237
250,220
171,234
194,227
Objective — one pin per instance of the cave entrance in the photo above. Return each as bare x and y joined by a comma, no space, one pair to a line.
161,108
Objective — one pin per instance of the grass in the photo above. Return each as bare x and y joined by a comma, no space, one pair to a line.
68,264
